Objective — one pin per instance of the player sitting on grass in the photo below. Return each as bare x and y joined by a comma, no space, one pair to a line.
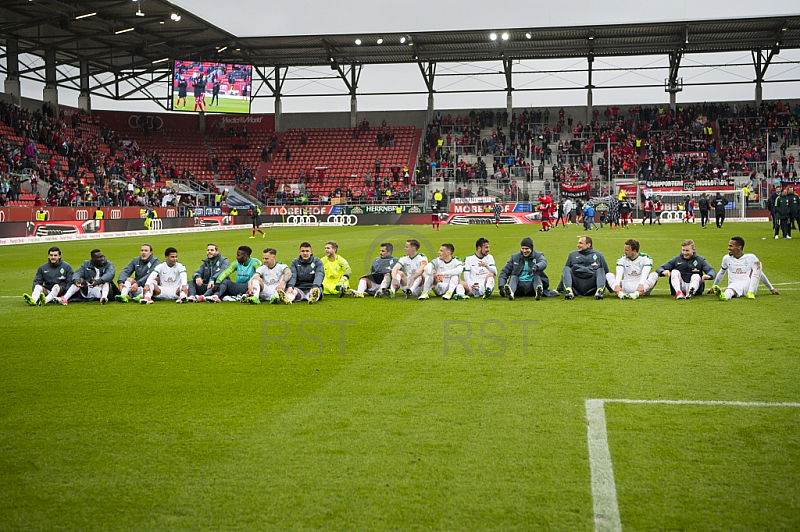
633,276
744,273
271,277
524,273
209,269
480,270
380,277
92,279
687,272
245,267
308,273
337,271
167,281
407,273
50,280
131,280
584,274
442,274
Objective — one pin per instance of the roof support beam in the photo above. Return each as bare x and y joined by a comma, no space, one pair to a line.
674,83
761,62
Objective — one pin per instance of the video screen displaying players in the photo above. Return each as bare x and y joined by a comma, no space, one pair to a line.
211,87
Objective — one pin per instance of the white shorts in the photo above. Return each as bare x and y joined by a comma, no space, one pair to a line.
481,288
267,292
168,293
740,286
441,288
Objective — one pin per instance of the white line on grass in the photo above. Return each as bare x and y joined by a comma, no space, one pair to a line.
604,489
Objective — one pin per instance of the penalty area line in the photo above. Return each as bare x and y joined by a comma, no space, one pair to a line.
604,489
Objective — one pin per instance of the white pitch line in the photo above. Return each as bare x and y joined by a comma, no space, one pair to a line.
703,403
604,489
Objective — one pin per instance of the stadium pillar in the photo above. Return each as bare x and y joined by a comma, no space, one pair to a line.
85,99
589,105
353,110
50,91
589,87
759,93
12,87
672,99
278,114
201,123
509,104
430,106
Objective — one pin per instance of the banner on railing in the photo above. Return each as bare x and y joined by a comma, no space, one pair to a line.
575,191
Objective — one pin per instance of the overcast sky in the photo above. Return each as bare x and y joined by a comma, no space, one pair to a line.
257,17
314,17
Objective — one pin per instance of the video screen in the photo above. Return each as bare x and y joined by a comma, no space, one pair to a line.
211,87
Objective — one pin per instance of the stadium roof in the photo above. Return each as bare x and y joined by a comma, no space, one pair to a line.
42,24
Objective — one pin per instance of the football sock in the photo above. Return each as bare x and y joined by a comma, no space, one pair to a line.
675,280
362,286
36,291
53,294
755,277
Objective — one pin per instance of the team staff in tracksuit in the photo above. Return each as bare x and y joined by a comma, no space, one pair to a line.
585,272
783,214
794,208
524,273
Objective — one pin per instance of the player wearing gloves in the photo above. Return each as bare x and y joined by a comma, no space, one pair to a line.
93,279
337,271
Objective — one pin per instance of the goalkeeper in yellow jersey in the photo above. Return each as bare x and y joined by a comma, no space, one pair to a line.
337,271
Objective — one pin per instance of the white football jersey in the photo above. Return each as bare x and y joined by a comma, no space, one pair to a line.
440,266
412,265
738,269
476,271
272,276
633,269
174,276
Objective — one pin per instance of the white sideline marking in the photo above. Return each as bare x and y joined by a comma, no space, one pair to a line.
604,489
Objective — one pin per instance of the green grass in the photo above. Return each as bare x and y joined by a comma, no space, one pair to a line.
226,104
193,417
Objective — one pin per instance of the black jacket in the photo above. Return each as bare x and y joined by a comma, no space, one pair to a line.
536,262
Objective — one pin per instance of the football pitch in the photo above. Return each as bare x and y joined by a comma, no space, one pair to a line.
395,414
226,104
